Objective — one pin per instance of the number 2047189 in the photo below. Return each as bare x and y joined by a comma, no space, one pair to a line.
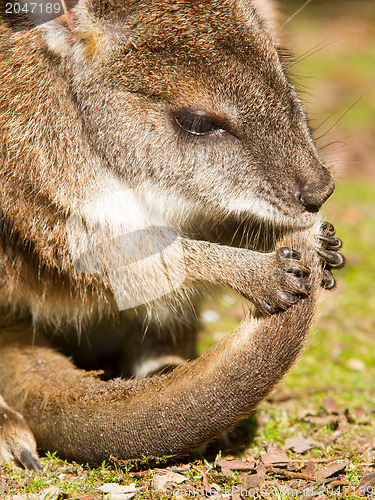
33,8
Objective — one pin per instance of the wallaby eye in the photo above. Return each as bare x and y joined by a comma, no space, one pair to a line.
197,124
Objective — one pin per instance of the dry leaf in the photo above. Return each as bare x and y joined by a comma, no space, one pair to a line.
252,481
309,469
236,496
273,448
334,436
356,365
236,464
307,413
227,472
331,406
280,395
51,493
366,486
331,469
301,444
297,484
115,491
160,480
272,459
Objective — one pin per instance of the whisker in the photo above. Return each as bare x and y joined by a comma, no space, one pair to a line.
324,121
294,14
342,144
314,50
344,114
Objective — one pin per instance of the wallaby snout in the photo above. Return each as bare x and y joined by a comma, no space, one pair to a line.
316,191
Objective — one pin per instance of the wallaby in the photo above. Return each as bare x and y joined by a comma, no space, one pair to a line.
150,114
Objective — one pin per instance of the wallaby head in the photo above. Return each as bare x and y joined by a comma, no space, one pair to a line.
200,88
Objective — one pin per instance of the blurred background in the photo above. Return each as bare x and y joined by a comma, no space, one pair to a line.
334,47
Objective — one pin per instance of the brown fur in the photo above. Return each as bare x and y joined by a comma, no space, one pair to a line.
87,419
90,108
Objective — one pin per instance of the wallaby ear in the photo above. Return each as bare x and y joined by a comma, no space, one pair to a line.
267,12
77,31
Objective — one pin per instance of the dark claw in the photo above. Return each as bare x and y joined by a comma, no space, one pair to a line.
332,242
288,253
328,229
329,254
333,259
28,460
306,289
328,281
300,272
289,298
266,308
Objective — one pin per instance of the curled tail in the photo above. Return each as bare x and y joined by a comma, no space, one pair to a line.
90,420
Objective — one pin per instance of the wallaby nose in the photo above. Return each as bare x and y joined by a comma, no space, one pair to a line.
314,193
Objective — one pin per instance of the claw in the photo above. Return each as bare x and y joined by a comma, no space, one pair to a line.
29,461
332,242
328,280
289,298
300,272
328,229
288,253
265,307
333,259
306,289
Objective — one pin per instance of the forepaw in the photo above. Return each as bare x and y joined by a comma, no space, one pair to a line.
286,284
329,254
17,443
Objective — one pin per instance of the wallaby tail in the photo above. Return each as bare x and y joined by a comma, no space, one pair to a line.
90,420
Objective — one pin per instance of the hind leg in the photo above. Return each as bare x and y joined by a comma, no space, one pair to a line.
17,443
